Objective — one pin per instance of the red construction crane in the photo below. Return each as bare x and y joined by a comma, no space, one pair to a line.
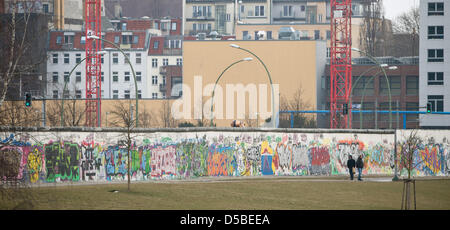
340,63
92,9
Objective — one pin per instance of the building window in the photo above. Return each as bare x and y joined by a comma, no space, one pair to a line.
83,40
165,61
435,32
117,39
302,8
103,76
163,80
126,58
435,55
55,58
435,8
174,26
66,58
287,11
126,94
78,58
55,94
115,94
55,77
58,39
139,94
394,85
412,85
269,35
259,11
328,34
155,45
66,77
228,17
115,58
363,82
138,58
435,78
245,35
154,95
154,62
328,52
127,39
138,76
78,77
179,61
124,26
78,94
127,76
68,39
115,76
154,80
437,103
45,8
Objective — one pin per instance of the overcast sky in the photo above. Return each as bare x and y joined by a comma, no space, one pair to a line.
393,8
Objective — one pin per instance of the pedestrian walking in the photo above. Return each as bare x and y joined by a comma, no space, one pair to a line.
351,166
360,166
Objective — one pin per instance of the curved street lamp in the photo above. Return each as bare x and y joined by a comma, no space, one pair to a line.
65,82
132,70
268,75
364,91
220,76
387,82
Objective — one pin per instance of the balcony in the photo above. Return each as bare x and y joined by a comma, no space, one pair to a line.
171,51
162,87
163,70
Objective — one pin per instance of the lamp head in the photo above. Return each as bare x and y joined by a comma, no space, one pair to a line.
234,46
247,59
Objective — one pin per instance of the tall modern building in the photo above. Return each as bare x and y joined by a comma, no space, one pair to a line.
434,62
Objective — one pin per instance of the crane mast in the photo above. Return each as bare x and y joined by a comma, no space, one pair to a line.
340,63
92,12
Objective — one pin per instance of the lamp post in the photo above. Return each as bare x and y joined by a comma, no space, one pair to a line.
268,75
387,82
65,83
361,75
132,70
364,91
220,76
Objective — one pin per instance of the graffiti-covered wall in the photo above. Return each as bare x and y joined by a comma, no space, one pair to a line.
100,155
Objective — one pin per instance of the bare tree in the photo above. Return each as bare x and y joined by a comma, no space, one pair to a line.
297,103
70,113
375,30
22,54
165,115
408,149
123,117
16,114
409,23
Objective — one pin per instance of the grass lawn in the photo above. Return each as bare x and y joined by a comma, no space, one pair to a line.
248,194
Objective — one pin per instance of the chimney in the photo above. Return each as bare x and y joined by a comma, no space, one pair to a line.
117,10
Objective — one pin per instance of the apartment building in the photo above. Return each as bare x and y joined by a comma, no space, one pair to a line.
158,27
434,62
164,63
205,16
67,48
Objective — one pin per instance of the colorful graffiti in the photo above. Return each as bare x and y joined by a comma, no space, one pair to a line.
191,156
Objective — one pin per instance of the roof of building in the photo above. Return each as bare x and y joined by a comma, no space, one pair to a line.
136,41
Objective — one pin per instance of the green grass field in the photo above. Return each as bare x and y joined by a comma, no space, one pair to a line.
248,194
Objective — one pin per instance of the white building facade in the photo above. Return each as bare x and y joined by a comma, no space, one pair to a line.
434,62
66,49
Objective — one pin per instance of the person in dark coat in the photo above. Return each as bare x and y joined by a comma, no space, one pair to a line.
351,166
359,166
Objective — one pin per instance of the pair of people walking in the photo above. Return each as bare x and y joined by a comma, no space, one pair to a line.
359,164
